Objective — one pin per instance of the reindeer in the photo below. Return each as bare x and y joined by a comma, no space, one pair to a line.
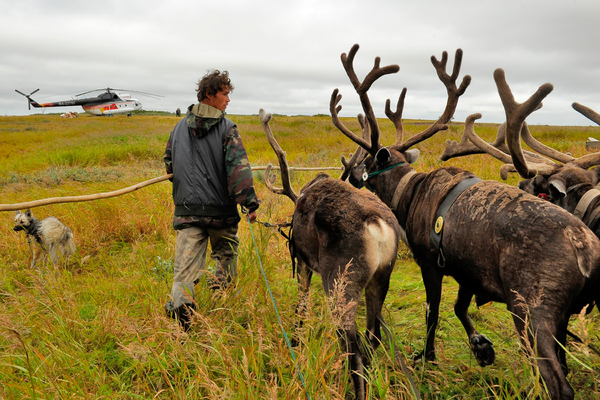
350,238
567,181
499,243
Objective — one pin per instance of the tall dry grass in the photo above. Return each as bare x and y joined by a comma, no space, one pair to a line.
97,329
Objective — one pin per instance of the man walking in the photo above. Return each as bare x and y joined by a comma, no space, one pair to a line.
211,176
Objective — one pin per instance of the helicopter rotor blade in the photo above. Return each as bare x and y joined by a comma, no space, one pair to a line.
90,91
109,89
28,96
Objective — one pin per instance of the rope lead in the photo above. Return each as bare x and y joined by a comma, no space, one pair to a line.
287,340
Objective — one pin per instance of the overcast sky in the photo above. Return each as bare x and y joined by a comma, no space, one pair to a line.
284,56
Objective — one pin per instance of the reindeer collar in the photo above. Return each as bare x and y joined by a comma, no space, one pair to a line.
372,174
400,189
585,202
364,179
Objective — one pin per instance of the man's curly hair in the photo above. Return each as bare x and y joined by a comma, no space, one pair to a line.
214,81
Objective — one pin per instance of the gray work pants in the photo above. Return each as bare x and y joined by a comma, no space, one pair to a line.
190,259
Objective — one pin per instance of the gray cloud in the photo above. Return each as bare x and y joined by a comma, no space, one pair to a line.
284,56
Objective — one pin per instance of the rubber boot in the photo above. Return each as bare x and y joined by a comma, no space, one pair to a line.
183,313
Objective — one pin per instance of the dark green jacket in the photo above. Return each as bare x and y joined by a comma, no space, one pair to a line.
211,171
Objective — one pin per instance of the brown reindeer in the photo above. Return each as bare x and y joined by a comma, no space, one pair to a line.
567,181
499,243
350,238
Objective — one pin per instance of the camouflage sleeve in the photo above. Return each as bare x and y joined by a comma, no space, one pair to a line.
167,158
239,172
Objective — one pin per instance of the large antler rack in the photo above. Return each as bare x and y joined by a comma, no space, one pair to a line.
585,162
449,82
516,113
361,88
497,151
283,165
468,147
516,160
454,94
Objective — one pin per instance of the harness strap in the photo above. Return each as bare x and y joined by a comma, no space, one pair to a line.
400,189
435,236
585,201
594,217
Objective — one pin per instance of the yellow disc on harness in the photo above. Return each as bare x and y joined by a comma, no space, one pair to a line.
439,224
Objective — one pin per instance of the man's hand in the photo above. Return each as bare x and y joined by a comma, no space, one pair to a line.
252,216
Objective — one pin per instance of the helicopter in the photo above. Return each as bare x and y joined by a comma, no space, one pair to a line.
110,102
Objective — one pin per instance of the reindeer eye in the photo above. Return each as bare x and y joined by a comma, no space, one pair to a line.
365,176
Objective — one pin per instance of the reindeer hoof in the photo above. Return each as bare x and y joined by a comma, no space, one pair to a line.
483,349
421,358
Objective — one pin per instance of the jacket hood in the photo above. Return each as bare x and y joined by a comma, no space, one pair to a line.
201,117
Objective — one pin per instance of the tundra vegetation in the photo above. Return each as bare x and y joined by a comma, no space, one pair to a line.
97,328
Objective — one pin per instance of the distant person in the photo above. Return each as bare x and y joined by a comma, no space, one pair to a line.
211,176
178,112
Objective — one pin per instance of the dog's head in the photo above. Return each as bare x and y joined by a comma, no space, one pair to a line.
23,221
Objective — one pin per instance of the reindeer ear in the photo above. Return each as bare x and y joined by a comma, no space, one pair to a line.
412,155
383,155
557,188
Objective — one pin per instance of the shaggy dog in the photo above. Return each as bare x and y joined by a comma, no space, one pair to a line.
50,236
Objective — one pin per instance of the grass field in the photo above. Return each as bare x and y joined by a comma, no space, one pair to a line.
97,328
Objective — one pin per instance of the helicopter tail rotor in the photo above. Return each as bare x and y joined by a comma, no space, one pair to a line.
28,97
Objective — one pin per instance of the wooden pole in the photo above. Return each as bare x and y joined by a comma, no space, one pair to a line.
98,196
89,197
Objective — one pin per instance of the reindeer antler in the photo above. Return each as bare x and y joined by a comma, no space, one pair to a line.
496,152
360,153
362,89
587,112
449,81
465,147
515,117
454,94
283,165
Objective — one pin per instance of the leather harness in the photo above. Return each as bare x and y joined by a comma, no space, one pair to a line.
435,236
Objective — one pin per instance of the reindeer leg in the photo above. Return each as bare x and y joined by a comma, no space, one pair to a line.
348,296
375,294
433,289
549,363
304,278
481,346
352,345
535,328
561,338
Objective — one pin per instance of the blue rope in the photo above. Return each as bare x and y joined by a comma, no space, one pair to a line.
287,340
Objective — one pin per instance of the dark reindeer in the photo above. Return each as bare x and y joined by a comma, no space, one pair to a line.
350,238
567,181
499,243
